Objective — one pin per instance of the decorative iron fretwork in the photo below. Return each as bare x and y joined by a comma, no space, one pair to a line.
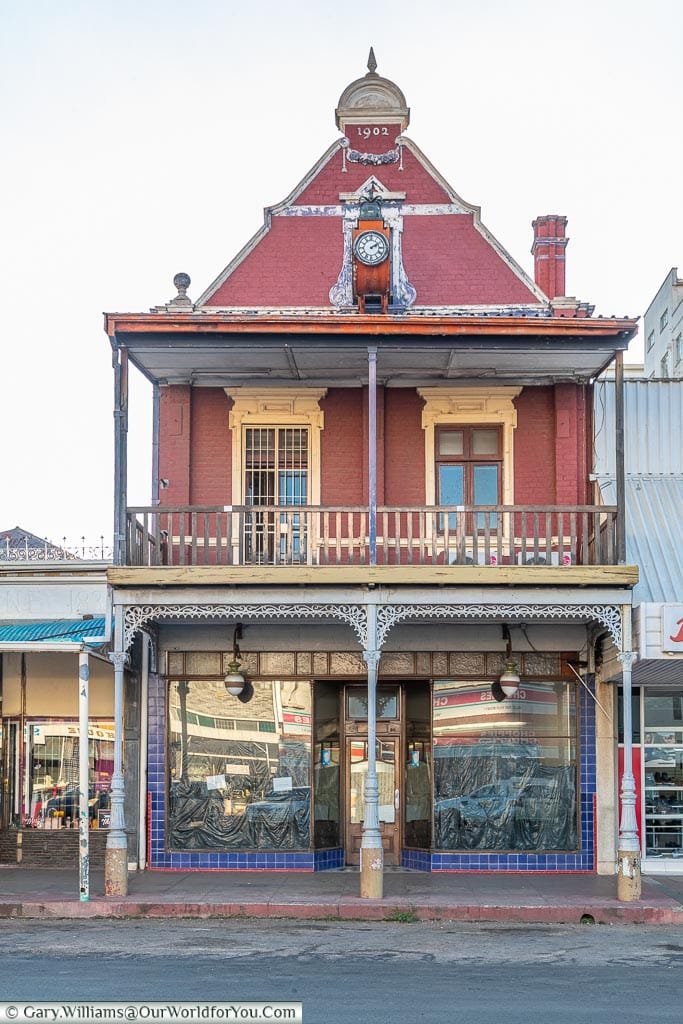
137,617
353,615
45,551
609,615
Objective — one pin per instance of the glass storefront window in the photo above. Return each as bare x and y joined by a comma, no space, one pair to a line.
505,773
663,772
418,779
240,774
52,754
326,771
635,714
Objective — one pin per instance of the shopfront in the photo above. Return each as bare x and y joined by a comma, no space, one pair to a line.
465,781
658,771
41,743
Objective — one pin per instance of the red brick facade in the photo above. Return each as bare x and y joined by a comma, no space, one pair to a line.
550,446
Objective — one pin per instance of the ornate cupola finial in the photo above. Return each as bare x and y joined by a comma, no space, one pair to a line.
372,100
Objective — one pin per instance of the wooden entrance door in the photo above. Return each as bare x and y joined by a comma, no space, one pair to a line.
390,796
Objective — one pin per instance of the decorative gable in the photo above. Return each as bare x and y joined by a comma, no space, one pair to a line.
441,254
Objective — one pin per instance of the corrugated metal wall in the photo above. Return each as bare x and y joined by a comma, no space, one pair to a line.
653,428
653,424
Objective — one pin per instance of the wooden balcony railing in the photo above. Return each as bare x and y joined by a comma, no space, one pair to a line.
490,535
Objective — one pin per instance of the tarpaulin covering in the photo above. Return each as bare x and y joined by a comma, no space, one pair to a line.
508,800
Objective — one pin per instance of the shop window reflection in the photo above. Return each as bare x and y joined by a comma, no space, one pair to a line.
505,774
239,774
52,786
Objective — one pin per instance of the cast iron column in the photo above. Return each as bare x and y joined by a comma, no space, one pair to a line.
116,854
371,852
628,859
120,363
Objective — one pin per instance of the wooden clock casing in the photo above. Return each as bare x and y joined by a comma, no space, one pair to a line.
372,280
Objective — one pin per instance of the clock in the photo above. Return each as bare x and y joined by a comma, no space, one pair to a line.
371,248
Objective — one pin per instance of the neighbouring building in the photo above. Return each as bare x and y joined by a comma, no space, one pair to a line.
663,329
653,413
53,602
373,439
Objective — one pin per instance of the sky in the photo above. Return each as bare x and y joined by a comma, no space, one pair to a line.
144,138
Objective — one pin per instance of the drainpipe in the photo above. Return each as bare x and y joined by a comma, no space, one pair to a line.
142,796
619,445
371,852
628,858
83,777
155,444
116,854
372,450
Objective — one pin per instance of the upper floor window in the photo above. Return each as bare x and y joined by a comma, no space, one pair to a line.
276,472
664,319
678,349
650,340
276,466
664,366
469,466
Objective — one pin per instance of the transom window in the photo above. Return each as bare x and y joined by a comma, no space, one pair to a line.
469,463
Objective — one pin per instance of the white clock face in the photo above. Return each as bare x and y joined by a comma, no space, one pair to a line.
371,248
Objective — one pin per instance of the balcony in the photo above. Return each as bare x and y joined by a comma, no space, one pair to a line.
547,537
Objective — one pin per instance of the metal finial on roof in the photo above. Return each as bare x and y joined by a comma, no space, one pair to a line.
372,63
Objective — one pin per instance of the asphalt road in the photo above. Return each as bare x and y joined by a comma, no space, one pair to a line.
366,973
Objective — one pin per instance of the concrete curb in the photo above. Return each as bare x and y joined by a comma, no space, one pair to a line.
664,912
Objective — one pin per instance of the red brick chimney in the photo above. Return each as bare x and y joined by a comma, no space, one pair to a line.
548,249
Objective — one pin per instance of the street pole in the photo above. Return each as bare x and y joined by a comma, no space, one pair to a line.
372,451
628,859
371,852
83,777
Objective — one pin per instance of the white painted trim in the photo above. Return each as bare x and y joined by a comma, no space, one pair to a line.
553,597
39,647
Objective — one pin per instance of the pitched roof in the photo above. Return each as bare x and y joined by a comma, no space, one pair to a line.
54,631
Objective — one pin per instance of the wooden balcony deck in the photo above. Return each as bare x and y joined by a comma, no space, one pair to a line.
494,537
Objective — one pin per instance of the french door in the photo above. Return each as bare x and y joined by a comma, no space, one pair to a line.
276,473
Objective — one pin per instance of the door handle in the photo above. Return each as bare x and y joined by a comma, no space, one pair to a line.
397,799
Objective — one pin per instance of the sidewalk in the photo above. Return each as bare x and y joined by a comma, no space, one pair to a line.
333,895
